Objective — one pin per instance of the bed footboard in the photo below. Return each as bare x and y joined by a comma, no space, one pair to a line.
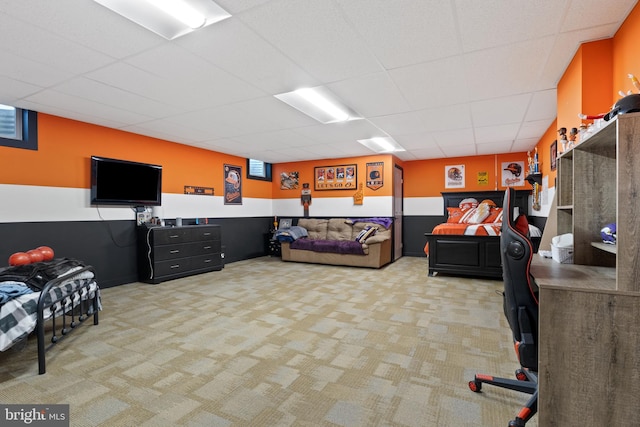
464,255
66,302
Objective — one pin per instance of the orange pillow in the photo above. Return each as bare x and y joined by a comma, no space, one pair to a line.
454,215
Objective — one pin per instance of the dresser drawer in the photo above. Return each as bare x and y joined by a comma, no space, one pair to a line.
182,265
172,235
167,252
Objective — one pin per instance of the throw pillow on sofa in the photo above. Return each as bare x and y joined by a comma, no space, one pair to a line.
366,233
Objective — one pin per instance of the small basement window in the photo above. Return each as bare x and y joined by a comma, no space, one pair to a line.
257,169
18,128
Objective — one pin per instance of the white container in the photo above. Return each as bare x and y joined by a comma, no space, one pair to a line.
562,248
562,255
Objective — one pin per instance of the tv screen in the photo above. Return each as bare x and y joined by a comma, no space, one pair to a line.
122,182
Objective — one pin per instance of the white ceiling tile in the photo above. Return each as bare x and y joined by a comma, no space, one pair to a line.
417,141
543,106
510,109
12,91
371,95
506,70
585,14
233,47
454,137
487,24
318,31
520,145
433,83
458,150
79,107
31,42
488,134
496,147
402,33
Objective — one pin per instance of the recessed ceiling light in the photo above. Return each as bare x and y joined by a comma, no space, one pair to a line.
381,144
168,18
320,104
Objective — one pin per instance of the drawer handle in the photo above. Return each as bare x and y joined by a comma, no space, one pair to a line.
173,236
175,251
207,260
207,247
207,234
175,266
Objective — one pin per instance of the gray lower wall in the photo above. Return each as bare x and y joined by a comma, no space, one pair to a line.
110,246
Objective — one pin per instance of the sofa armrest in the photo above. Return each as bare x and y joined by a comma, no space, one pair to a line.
377,238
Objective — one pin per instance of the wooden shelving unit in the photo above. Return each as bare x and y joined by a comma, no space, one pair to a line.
589,331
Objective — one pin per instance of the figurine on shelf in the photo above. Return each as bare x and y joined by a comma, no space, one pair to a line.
572,137
536,165
562,132
529,163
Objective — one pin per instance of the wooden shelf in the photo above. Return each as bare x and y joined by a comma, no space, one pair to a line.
613,249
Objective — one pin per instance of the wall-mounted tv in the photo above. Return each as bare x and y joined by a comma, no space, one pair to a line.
122,182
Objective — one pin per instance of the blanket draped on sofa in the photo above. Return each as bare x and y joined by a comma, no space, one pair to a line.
333,246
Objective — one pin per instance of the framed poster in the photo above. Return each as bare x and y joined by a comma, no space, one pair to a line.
554,154
232,185
375,178
339,177
512,174
454,176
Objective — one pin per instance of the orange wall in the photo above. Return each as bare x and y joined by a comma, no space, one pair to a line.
426,178
65,146
625,54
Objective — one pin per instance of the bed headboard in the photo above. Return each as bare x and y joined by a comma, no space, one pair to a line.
453,199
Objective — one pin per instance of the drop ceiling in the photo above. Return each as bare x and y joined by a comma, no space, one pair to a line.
443,78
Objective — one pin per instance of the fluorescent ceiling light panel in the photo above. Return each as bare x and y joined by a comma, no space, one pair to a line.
381,144
168,18
320,104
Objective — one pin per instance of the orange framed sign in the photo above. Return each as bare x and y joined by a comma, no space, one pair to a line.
339,177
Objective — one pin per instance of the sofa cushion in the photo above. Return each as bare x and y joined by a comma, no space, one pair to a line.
316,228
339,229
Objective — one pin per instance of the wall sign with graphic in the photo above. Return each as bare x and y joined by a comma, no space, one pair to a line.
232,185
375,177
340,177
483,178
200,191
454,176
512,174
289,180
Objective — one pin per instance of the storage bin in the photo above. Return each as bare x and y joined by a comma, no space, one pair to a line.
563,255
562,248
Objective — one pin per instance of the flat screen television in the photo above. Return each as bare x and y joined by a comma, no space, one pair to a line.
122,182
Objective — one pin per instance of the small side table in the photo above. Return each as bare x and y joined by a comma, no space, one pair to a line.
272,245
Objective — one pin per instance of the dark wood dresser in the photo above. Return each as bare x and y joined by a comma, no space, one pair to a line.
166,253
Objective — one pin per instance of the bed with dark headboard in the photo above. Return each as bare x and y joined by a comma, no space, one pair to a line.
469,255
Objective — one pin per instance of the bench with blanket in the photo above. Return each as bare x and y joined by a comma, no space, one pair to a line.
354,242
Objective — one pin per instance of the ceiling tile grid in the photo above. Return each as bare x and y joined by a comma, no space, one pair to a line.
444,78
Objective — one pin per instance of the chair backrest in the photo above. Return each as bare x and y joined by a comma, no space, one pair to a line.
520,288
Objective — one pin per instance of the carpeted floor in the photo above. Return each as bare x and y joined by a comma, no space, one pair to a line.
267,343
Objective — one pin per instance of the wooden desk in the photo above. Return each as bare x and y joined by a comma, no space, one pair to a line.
589,368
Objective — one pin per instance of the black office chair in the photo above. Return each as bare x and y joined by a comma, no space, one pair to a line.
520,308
